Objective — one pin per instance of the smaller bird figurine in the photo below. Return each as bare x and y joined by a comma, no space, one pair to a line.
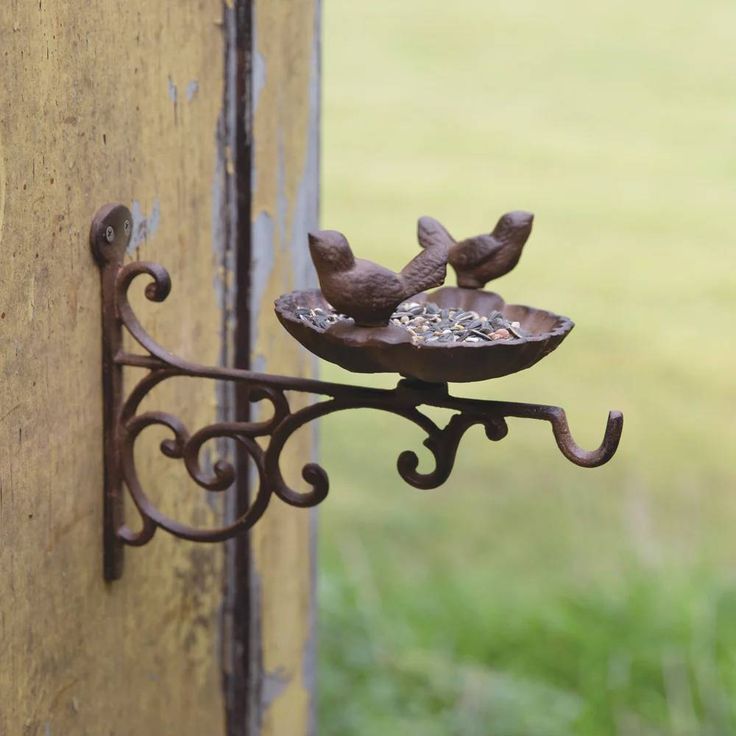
366,291
482,258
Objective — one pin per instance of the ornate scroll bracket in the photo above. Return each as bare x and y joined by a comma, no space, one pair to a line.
123,423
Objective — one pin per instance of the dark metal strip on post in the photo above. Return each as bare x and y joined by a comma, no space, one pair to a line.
235,148
124,424
109,238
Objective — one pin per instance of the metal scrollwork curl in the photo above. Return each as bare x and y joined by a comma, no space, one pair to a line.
157,290
187,447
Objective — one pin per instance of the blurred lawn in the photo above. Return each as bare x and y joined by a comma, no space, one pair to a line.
527,596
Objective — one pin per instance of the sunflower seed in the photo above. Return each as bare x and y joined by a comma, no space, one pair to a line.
497,322
428,323
515,329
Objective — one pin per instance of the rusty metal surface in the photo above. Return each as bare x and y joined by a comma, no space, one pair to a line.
367,291
483,258
390,349
262,441
111,223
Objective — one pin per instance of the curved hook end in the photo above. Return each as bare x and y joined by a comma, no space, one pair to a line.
588,458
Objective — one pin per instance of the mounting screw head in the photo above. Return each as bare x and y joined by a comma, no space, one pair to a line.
110,233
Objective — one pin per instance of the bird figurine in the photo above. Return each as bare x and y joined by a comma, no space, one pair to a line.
482,258
366,291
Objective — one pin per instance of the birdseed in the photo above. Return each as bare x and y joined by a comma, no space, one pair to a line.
427,323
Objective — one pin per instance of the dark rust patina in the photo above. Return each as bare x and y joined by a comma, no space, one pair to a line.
389,349
369,343
482,258
367,291
261,441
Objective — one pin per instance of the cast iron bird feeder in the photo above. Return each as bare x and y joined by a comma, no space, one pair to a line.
362,337
371,342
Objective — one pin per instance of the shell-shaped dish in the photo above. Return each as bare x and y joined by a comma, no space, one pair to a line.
390,349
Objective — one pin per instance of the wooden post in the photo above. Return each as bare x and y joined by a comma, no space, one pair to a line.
142,102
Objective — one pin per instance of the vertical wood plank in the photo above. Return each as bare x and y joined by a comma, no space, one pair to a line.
283,209
104,101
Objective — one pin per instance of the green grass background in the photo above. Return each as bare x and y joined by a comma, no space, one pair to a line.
527,596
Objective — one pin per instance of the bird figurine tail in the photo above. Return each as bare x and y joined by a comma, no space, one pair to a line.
428,268
431,233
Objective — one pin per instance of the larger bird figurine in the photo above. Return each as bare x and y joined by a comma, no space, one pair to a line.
366,291
482,258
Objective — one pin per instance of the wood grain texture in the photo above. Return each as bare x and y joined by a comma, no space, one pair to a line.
284,208
103,101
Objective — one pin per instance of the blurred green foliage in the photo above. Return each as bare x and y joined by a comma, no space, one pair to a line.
529,597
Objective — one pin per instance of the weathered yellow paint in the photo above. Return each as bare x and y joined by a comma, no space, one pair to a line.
284,205
102,101
2,189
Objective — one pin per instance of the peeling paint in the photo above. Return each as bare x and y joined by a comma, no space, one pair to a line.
144,228
219,234
274,684
259,77
305,217
283,209
174,97
172,90
307,196
282,201
262,265
192,89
